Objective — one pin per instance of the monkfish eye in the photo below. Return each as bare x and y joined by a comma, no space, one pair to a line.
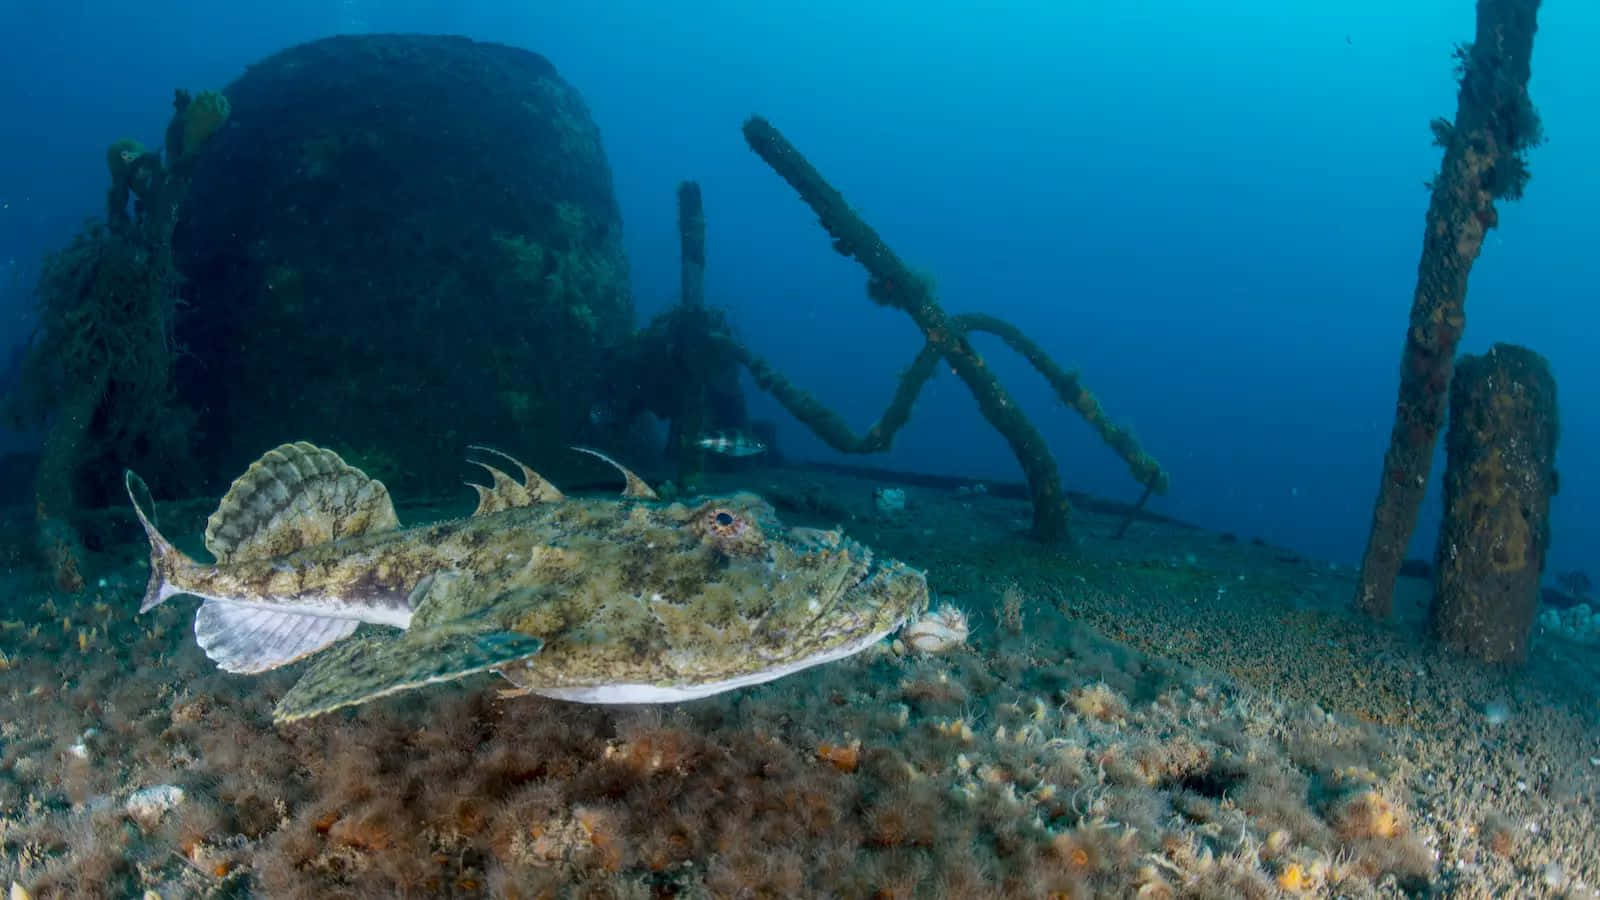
731,532
725,523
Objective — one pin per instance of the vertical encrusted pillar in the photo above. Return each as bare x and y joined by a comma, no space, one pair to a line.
692,241
694,411
1484,161
1498,482
59,458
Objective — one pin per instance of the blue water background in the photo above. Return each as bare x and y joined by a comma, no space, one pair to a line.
1213,210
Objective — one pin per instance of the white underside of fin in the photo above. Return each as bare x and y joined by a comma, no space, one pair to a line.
656,693
249,639
396,615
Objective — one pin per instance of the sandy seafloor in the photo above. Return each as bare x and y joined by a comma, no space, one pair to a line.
1177,713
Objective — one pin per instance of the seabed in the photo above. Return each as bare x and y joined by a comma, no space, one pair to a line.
1176,713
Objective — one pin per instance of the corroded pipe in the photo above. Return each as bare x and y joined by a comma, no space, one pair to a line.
1484,161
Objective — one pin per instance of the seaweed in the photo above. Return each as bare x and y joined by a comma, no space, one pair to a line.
97,372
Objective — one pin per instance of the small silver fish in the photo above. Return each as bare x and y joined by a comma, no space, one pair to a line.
730,443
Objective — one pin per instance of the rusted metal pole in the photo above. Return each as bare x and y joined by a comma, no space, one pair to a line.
1484,161
692,240
693,415
892,283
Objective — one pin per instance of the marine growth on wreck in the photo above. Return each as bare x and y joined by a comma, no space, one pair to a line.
330,289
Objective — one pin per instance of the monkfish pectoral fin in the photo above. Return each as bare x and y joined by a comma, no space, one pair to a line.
372,667
449,595
454,602
250,639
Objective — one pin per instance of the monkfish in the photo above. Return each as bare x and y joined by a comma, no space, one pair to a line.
596,600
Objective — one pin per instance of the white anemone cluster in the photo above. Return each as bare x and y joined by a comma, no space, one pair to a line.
1575,623
936,632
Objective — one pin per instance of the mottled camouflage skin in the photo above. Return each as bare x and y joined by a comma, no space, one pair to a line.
630,593
620,591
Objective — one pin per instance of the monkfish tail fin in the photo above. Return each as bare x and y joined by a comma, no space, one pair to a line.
166,561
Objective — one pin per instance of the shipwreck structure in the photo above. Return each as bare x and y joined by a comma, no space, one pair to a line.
1485,161
1499,479
407,243
395,244
890,282
398,245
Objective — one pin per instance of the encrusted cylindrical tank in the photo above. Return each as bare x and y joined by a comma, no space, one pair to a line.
400,245
1498,483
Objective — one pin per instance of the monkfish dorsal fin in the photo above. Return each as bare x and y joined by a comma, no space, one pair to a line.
296,496
506,492
635,487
